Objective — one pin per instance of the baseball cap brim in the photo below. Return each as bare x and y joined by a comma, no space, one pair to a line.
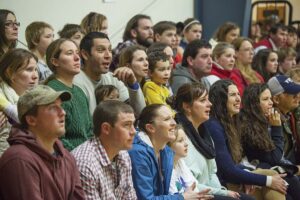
292,89
63,95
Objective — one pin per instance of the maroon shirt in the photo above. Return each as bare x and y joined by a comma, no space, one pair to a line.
27,171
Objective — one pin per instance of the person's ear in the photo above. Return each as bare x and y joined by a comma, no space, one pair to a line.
157,37
84,54
133,33
275,99
31,120
54,61
150,128
105,128
186,107
35,42
189,60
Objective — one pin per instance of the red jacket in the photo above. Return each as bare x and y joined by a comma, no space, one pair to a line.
27,171
221,73
241,83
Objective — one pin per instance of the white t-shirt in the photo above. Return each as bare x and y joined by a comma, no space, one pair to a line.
181,178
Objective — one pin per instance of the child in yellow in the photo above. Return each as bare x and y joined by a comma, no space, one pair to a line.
154,90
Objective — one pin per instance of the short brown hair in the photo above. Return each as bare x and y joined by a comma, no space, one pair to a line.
108,111
93,22
188,93
34,31
283,53
12,61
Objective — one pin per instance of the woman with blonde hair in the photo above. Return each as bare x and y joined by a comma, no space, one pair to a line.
223,62
94,22
243,74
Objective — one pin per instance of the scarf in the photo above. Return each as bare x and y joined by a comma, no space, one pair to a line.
201,139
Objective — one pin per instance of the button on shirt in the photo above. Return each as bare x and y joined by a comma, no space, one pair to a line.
101,178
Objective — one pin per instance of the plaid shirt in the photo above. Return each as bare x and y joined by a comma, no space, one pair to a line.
101,178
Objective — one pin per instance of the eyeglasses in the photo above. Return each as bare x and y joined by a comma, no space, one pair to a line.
12,24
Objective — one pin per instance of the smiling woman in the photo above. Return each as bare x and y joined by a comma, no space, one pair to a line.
152,159
194,107
63,59
226,135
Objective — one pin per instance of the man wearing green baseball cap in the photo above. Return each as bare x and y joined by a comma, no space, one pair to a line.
36,165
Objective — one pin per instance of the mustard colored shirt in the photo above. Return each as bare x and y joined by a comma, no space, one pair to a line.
155,94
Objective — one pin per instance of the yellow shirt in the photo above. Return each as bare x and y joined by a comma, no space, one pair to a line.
155,94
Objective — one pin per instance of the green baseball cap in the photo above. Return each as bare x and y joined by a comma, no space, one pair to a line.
37,96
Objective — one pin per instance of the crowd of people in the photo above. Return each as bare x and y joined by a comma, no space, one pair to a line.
165,114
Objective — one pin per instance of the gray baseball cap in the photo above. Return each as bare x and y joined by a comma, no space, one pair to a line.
37,96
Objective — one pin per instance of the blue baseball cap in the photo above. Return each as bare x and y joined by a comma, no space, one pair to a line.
283,84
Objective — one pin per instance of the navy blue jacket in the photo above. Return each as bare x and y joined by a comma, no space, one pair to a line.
228,170
145,172
267,159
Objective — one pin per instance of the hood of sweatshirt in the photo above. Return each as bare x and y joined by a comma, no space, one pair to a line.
183,71
21,136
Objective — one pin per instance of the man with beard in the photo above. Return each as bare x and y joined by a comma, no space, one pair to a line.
138,31
95,50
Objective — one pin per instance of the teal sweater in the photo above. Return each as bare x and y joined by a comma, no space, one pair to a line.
78,119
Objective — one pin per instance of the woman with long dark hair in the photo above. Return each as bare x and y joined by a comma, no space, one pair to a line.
9,27
262,134
265,62
222,125
193,110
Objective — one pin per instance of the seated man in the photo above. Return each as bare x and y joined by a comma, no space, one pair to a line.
285,97
286,60
95,50
276,39
105,169
36,166
195,67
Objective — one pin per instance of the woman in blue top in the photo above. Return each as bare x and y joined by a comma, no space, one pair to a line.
226,100
152,159
262,134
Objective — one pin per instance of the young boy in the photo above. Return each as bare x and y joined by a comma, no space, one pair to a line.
165,32
39,35
286,59
154,90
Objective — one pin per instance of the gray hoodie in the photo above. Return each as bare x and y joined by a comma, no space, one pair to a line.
181,75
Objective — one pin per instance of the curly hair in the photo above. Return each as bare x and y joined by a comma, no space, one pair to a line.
218,96
254,125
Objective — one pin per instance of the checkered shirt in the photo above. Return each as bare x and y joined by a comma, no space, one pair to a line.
101,178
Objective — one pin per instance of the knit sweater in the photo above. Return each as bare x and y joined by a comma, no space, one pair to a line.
78,120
